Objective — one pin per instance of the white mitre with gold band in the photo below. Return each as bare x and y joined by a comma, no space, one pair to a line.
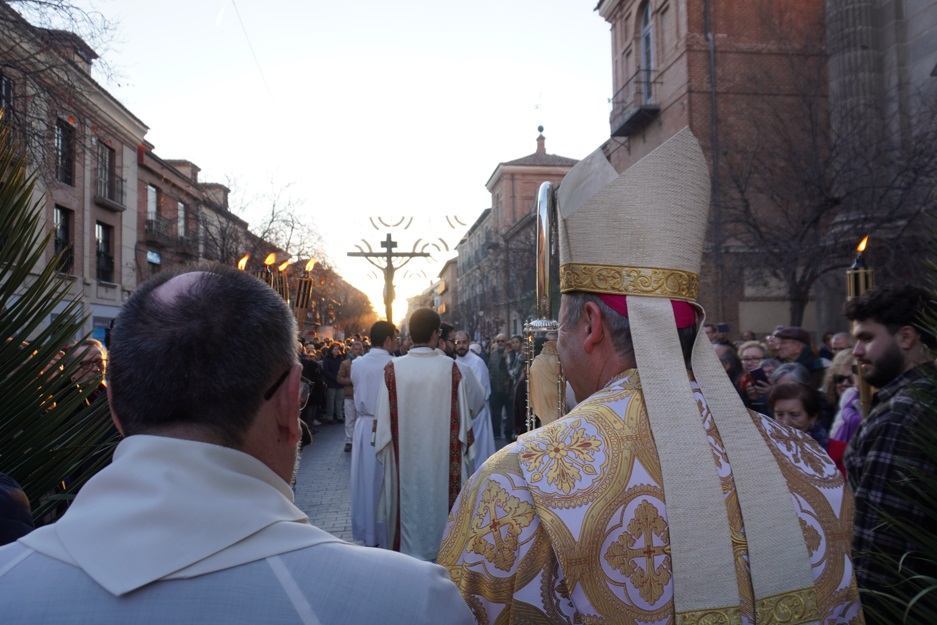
640,235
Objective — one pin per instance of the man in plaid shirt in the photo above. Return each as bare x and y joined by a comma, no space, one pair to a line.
894,355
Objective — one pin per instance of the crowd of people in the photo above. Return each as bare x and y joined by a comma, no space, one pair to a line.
693,480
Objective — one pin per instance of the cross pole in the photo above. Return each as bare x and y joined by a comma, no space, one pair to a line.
388,268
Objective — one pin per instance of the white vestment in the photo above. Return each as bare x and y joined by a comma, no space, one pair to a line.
367,375
188,532
424,442
481,424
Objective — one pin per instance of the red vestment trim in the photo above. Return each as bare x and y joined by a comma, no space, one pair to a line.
390,379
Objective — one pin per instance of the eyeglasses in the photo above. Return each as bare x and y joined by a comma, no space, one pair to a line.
305,387
461,342
839,379
92,364
752,358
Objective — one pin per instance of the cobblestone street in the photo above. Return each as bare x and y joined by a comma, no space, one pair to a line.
322,484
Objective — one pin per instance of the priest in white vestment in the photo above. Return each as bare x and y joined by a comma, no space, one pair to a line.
423,440
367,374
481,424
194,520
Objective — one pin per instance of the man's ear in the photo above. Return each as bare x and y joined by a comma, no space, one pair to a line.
288,407
907,337
594,327
114,417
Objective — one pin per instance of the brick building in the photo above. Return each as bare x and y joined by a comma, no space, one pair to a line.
82,143
447,291
117,211
706,65
753,82
497,256
182,219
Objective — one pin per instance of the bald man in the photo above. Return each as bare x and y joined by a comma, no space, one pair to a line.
194,521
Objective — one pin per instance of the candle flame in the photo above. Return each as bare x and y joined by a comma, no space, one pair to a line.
311,264
862,245
283,265
270,259
243,262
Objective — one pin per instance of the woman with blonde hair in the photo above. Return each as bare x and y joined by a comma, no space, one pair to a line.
839,386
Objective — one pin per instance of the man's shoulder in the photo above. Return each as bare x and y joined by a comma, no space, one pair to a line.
907,398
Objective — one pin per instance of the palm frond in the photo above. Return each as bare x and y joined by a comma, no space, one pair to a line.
48,432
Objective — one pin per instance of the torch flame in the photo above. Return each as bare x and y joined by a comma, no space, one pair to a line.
283,265
243,262
270,259
862,245
310,264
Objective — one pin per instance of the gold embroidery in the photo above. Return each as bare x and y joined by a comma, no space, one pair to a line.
811,535
714,616
645,281
564,454
517,515
789,608
621,554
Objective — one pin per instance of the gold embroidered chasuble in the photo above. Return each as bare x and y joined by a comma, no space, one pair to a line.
569,525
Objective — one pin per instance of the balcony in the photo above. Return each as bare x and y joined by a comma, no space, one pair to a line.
188,243
109,190
158,231
633,107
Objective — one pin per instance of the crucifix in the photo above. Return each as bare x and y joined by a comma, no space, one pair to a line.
388,268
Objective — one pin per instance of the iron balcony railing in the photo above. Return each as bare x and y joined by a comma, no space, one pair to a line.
109,188
633,105
158,229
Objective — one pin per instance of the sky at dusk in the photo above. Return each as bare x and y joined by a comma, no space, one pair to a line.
366,109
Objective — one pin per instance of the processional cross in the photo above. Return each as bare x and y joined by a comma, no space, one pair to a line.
388,268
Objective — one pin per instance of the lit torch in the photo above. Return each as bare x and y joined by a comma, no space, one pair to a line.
266,274
243,262
282,285
859,279
303,294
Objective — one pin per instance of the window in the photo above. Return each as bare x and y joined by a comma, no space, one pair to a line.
152,202
181,226
6,95
63,239
107,173
64,152
647,51
105,251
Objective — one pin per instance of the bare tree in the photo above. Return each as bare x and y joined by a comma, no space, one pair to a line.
47,48
798,192
280,219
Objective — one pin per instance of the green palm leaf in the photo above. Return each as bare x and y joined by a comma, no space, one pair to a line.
47,430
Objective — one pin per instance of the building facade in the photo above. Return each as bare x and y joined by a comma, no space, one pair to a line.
497,271
82,144
755,82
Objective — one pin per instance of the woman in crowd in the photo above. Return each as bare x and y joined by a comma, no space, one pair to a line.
755,395
841,392
798,406
335,392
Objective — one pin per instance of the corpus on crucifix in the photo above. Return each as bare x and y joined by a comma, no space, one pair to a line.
388,268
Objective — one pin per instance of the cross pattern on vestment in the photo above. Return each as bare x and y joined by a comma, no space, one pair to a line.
517,515
623,553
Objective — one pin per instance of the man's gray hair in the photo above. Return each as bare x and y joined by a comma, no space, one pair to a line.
618,325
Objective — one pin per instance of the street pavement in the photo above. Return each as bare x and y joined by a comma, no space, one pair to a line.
322,483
